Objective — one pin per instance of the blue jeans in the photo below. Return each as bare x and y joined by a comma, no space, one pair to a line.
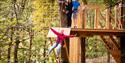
75,14
58,48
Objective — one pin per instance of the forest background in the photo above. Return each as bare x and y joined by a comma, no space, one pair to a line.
23,30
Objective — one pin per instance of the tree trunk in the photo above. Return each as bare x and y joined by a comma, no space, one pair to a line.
0,53
9,49
9,52
44,54
30,48
16,50
63,21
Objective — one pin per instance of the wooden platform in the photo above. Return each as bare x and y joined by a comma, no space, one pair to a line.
91,32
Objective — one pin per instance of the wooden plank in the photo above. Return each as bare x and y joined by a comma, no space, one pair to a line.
75,53
116,16
90,32
94,6
96,22
83,18
107,18
75,50
81,14
115,42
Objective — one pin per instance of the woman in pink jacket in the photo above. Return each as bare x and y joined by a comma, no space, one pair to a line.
59,41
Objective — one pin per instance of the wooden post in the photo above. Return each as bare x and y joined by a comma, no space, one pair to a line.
96,22
83,18
122,43
77,44
116,16
80,18
123,13
77,50
122,39
107,18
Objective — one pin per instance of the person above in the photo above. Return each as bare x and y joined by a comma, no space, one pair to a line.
76,5
68,12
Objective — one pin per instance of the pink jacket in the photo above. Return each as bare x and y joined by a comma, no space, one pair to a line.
61,37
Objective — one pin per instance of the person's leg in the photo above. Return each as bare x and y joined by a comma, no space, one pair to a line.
69,19
52,47
58,49
75,19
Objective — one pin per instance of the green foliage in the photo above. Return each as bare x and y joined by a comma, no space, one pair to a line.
95,47
36,15
110,2
95,1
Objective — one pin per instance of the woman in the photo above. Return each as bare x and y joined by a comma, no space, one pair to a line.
59,41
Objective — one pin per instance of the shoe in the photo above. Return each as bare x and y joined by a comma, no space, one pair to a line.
68,26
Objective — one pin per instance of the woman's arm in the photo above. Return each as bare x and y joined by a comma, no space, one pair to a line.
69,36
55,32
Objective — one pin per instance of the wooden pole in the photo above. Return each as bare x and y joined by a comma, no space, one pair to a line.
83,15
107,18
77,50
116,16
96,23
122,43
122,39
77,44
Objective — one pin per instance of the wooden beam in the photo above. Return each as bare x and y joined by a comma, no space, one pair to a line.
76,49
116,16
122,44
115,42
107,18
122,39
96,22
123,13
94,6
111,47
84,19
90,32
